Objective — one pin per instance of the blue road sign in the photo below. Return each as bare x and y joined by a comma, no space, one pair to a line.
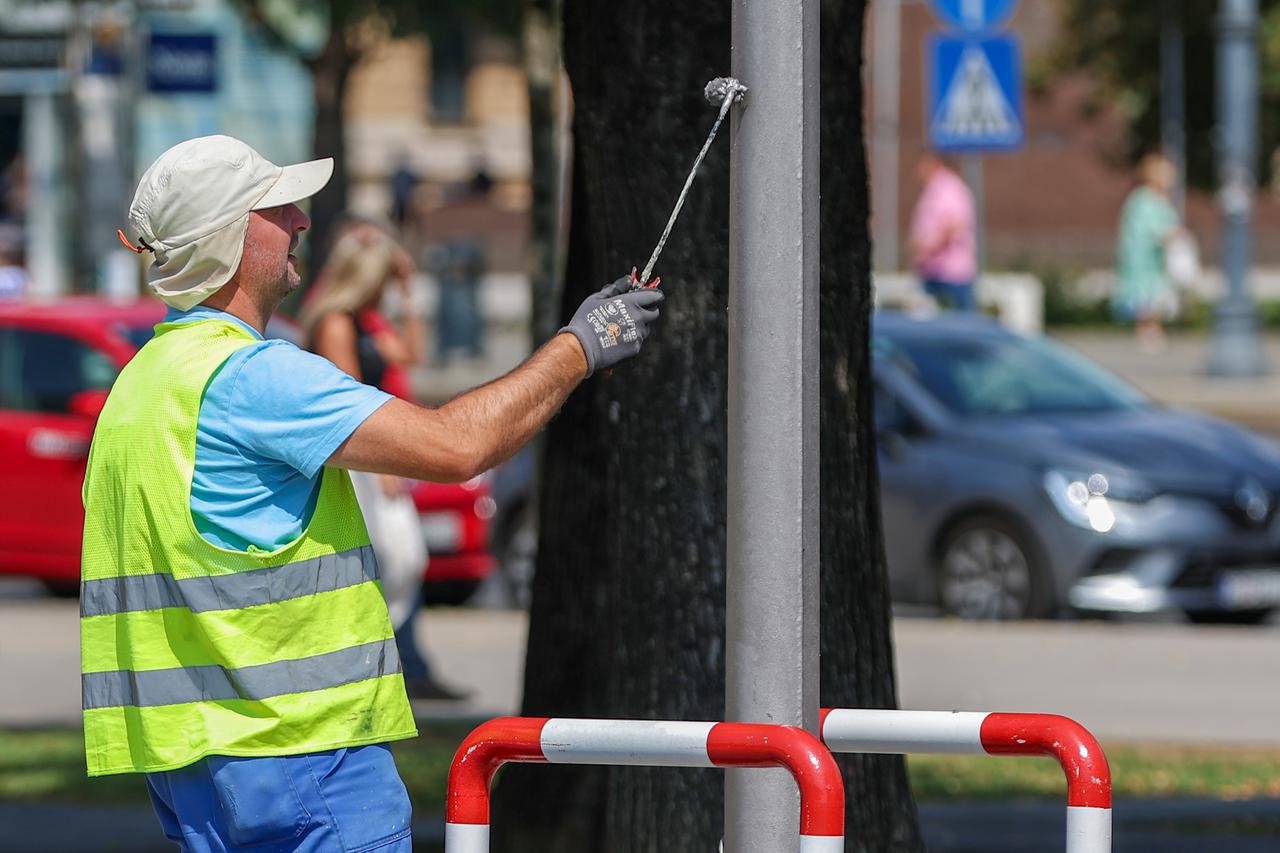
973,15
182,62
975,94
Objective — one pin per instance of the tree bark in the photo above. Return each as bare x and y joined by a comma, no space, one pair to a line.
857,661
628,607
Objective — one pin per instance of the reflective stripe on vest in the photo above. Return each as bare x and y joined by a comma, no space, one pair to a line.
206,593
151,688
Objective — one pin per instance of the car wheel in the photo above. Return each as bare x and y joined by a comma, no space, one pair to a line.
988,569
1229,617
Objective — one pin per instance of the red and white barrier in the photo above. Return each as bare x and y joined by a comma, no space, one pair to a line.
642,743
979,733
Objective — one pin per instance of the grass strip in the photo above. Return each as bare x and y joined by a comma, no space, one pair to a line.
48,765
1149,770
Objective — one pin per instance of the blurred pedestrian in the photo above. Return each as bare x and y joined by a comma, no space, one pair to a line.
943,245
1145,294
13,191
235,643
403,183
342,320
14,280
458,264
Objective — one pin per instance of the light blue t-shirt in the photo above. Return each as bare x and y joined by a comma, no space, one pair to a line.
271,415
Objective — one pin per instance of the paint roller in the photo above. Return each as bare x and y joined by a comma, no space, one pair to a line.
725,91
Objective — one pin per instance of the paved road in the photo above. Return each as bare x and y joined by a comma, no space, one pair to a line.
1131,682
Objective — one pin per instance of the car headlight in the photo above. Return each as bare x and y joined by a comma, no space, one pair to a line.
1091,500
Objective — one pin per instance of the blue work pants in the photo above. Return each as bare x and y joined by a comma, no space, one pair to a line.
957,296
349,800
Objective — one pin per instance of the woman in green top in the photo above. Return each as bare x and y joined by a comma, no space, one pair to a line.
1144,293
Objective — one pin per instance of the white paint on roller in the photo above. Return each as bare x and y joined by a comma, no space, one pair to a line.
466,838
651,743
904,732
722,87
822,844
1088,830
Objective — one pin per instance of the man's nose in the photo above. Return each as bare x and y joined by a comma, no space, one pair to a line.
301,222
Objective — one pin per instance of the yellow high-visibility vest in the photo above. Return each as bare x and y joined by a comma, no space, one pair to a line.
189,649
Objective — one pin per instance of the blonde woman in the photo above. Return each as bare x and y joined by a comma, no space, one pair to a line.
342,321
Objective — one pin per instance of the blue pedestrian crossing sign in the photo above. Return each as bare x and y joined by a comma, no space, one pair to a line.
973,15
975,96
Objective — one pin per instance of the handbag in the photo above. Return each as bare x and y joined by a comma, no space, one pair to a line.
1182,259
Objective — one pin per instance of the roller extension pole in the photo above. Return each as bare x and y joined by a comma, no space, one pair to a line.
772,597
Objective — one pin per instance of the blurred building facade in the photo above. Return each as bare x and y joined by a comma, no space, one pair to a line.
91,91
401,116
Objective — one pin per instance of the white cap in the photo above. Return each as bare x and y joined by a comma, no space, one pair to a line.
192,207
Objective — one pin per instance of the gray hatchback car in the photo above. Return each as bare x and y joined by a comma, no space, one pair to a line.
1019,480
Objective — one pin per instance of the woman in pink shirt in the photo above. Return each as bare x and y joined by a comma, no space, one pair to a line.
943,248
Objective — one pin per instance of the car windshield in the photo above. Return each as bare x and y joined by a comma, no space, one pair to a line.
1006,375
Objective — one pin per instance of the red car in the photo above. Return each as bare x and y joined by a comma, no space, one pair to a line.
455,525
57,362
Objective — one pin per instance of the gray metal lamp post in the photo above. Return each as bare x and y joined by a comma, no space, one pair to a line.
771,631
1236,349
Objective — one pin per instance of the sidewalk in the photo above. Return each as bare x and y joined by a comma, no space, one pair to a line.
1177,375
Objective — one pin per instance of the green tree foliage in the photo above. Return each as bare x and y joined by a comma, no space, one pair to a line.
1117,44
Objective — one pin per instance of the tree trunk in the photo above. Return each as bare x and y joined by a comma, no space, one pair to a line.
857,648
329,72
628,608
541,25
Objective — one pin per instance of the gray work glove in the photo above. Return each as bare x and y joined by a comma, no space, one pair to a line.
612,324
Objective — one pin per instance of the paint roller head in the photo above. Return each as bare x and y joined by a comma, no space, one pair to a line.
722,88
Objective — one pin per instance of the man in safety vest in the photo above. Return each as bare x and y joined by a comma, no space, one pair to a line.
235,643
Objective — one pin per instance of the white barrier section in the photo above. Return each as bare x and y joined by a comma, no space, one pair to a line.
822,844
898,732
466,837
1088,829
650,743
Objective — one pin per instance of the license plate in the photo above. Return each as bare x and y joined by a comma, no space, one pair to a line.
442,531
1250,588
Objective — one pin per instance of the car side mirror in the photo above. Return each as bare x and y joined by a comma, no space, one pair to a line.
87,404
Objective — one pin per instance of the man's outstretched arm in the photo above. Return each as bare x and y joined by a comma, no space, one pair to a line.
477,430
